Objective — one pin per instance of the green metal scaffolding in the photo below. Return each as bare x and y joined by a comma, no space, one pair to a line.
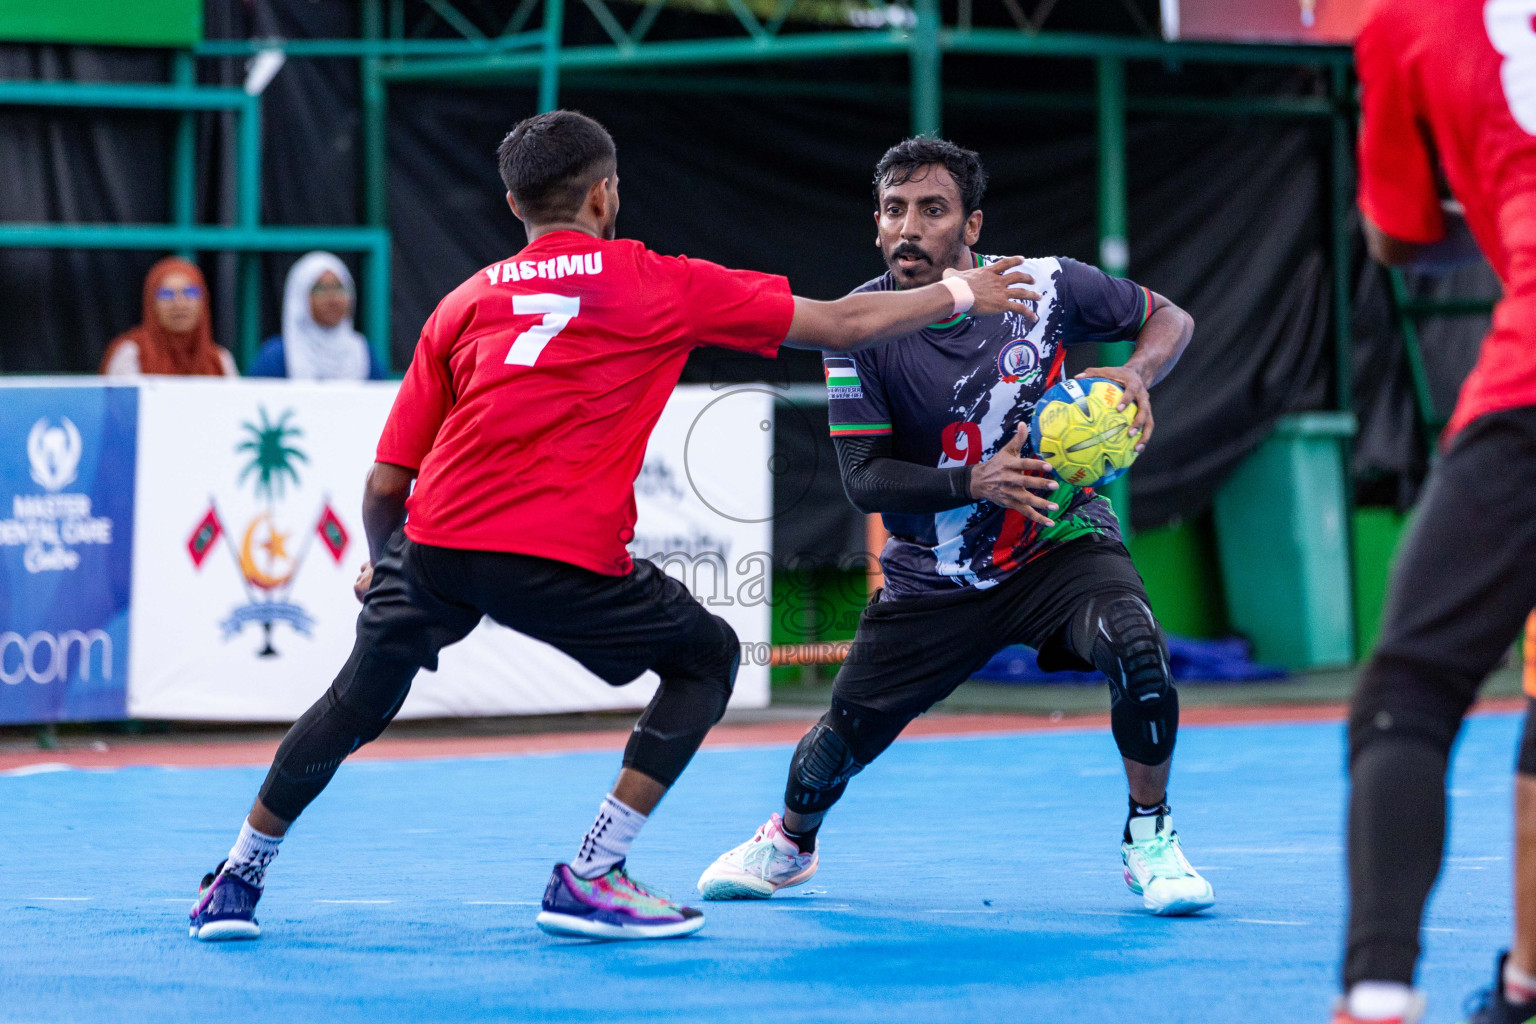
247,236
535,57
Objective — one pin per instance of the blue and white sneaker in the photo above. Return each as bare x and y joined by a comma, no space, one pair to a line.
225,908
1156,870
611,906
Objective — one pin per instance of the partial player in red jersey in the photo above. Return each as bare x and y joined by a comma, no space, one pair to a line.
523,420
1448,93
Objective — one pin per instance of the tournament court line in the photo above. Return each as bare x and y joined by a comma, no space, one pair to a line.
259,753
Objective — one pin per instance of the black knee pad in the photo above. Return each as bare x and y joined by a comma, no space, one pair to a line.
1404,700
838,747
819,771
1127,646
1146,733
697,678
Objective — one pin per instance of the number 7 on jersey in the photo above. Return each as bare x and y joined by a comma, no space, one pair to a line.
558,310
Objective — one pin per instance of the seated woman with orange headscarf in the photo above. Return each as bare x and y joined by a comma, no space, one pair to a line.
176,335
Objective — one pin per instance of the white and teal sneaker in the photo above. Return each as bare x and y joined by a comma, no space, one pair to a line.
759,867
1155,869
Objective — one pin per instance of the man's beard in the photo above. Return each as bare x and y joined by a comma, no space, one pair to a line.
928,263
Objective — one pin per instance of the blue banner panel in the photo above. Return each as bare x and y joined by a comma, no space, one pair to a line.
67,460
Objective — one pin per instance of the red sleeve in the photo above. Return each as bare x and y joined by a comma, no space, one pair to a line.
1397,176
424,398
736,309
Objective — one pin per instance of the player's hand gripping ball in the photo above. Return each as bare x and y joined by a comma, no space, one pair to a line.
1078,430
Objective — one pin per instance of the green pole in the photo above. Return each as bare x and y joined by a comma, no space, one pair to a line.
374,154
1341,182
248,159
1114,253
926,60
198,238
375,192
184,160
549,69
376,302
249,199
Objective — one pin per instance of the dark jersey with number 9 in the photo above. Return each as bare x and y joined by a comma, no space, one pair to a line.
953,394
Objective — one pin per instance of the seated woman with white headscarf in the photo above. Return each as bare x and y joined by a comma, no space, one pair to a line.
318,342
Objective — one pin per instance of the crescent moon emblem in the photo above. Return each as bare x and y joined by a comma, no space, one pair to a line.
248,560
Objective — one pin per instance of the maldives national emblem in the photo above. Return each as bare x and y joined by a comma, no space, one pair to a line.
269,555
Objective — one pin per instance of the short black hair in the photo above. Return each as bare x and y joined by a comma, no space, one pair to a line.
909,156
550,160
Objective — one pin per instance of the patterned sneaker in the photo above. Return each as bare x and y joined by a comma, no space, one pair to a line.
1155,869
611,906
1490,1006
759,867
225,908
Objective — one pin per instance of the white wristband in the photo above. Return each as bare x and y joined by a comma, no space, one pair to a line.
964,297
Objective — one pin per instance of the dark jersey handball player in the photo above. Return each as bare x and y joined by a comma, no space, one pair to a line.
986,550
523,419
1448,88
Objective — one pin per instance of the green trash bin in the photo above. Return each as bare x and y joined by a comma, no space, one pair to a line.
1282,535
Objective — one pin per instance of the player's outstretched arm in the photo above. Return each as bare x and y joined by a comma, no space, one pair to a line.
868,318
384,496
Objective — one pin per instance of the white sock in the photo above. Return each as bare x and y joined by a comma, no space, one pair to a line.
607,841
252,852
1519,987
1379,1000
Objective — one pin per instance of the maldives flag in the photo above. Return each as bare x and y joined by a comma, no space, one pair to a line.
332,534
204,537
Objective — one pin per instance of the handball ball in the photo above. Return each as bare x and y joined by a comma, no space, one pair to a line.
1078,430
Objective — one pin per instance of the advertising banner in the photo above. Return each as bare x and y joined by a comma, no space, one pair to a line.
66,536
1269,21
248,537
246,543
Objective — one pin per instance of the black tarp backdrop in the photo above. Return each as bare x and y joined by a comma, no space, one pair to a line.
1228,218
58,310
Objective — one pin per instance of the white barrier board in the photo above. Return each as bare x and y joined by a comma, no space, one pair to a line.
247,537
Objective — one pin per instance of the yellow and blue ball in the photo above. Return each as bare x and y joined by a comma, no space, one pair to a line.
1078,430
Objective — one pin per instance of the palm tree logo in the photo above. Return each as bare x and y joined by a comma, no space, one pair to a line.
265,560
267,555
272,457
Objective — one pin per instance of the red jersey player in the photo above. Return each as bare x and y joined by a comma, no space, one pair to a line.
523,420
1449,88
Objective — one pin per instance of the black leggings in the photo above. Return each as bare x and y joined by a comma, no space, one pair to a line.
424,598
1463,584
1111,629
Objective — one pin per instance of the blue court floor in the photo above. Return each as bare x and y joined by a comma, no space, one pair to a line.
965,879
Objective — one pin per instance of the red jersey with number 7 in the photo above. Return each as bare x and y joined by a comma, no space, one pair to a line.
537,382
1453,82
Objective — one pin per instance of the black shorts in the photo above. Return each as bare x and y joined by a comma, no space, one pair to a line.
1465,578
424,598
911,653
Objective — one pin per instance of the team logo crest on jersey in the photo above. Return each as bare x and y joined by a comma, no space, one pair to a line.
1018,361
